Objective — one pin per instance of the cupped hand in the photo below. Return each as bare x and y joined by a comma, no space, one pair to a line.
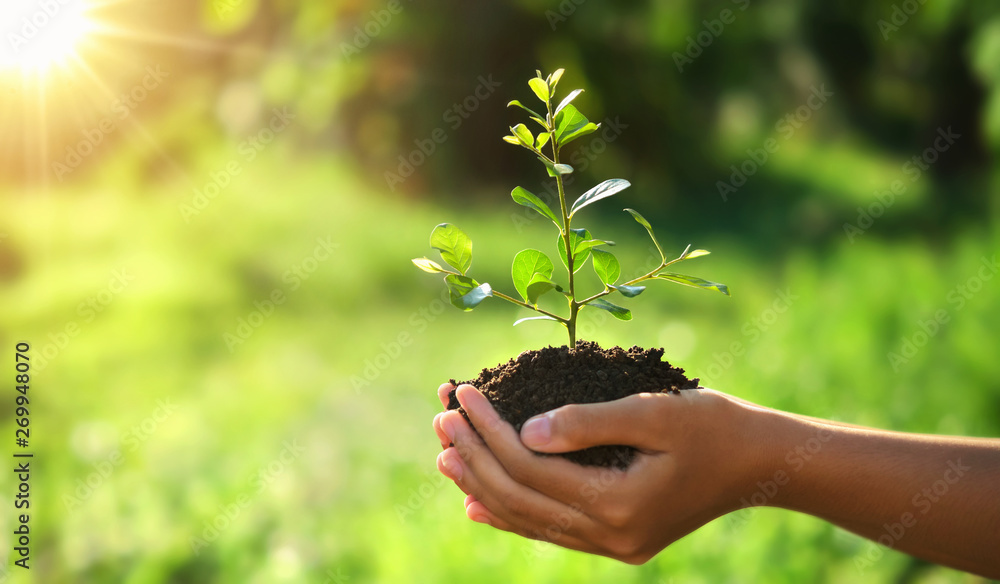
694,464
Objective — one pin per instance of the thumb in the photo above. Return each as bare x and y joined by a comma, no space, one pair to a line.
637,420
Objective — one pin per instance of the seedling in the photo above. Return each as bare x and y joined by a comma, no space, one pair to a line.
532,270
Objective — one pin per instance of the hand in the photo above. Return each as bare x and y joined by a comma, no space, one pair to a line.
703,453
691,468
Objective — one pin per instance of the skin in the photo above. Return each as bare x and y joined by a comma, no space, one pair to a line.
934,497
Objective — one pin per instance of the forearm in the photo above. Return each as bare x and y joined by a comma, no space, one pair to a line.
934,497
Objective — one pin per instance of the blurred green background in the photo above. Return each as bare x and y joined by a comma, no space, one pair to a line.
235,362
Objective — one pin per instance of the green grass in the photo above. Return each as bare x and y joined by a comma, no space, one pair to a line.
363,501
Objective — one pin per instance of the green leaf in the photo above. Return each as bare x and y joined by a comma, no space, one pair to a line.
540,87
539,284
556,169
606,266
619,312
570,124
553,80
590,128
512,139
569,121
565,102
454,245
694,282
523,134
694,254
519,321
629,291
524,198
541,122
542,139
528,263
522,106
465,292
601,191
579,240
428,265
460,285
649,228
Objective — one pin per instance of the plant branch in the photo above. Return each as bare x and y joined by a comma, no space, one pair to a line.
536,152
513,300
526,305
648,276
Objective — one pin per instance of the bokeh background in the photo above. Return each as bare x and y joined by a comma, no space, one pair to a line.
208,211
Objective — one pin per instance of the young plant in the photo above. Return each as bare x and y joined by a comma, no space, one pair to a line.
532,270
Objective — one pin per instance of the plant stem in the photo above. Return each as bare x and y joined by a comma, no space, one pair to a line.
574,307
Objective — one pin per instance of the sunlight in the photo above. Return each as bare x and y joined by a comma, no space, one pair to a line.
75,76
42,34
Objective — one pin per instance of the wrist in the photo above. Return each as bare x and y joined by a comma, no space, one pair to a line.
742,449
769,447
793,458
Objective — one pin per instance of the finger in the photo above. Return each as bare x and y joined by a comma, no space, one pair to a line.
555,477
486,419
448,467
566,525
442,437
480,474
553,534
443,392
632,421
478,512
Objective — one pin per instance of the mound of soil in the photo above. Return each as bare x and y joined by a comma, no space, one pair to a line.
538,381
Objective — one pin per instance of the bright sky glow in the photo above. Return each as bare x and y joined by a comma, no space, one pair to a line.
40,34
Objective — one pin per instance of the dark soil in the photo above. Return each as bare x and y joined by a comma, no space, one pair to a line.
538,381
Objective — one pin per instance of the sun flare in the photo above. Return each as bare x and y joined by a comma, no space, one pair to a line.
42,34
75,74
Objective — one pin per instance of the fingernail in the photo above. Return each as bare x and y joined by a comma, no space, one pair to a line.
482,519
453,467
537,431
